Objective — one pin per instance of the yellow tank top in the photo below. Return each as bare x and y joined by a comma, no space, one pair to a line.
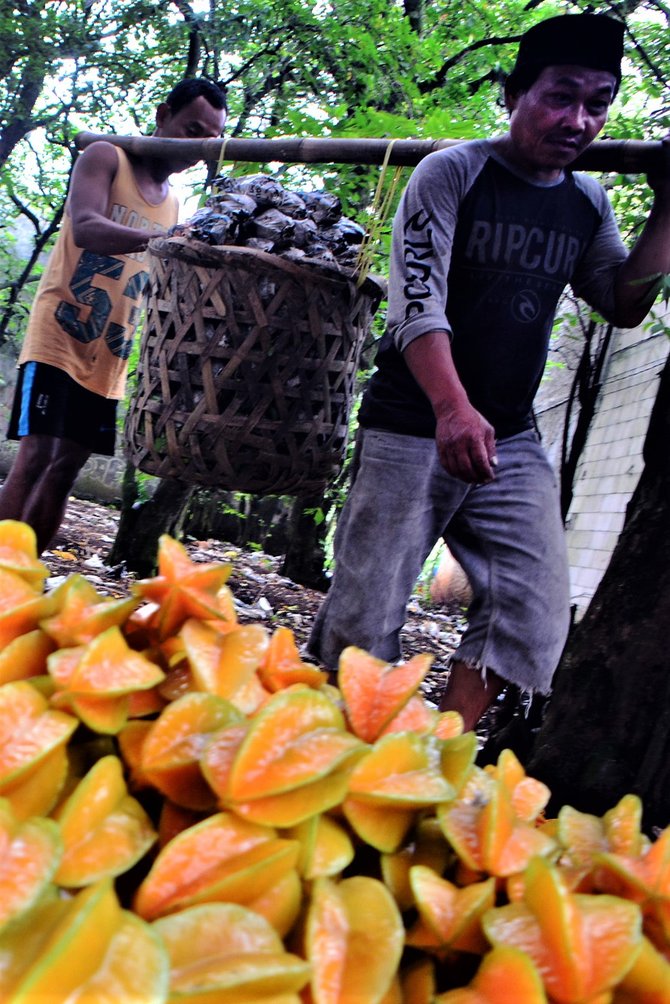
87,306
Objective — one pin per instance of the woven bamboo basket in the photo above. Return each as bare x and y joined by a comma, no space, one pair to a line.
247,369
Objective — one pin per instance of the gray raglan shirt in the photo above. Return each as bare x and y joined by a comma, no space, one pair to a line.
484,253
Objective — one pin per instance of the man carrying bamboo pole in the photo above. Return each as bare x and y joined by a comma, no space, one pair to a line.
486,238
75,355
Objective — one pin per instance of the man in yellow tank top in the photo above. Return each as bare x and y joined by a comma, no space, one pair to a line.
73,364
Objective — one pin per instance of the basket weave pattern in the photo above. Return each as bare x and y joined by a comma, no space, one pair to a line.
247,369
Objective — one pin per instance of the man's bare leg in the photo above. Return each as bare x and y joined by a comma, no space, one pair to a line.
37,487
467,693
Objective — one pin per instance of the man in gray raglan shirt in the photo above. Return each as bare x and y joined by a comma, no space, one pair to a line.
486,238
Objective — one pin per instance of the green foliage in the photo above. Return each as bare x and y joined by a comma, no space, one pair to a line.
317,514
146,485
659,325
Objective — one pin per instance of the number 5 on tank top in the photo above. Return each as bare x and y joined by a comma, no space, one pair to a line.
89,267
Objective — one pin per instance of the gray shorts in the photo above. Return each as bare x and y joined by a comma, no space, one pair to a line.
507,535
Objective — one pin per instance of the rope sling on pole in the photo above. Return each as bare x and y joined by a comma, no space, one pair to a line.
379,211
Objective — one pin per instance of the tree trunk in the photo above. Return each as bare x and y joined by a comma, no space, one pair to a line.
607,728
142,523
304,559
586,390
240,519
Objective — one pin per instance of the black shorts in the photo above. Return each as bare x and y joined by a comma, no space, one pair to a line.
48,402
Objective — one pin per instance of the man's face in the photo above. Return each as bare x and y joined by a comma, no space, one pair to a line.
558,116
196,120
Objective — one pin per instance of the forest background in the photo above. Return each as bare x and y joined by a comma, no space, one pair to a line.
350,69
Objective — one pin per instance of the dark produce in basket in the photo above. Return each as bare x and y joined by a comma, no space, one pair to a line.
240,207
259,244
293,205
323,207
264,190
257,212
218,228
318,251
294,254
273,225
208,226
306,232
352,232
334,238
348,258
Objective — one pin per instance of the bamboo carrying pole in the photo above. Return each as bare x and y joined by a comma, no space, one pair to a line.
619,156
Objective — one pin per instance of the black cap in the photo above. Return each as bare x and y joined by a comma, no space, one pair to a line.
591,40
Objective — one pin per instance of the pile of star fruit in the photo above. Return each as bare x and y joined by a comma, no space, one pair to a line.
191,813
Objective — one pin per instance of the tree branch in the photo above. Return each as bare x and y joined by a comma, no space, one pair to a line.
25,276
194,37
32,82
427,86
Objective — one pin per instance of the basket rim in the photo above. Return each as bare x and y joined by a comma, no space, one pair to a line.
219,255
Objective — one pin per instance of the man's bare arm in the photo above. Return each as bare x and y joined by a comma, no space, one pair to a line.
92,180
637,279
465,440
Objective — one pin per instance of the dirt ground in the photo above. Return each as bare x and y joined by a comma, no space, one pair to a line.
261,593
